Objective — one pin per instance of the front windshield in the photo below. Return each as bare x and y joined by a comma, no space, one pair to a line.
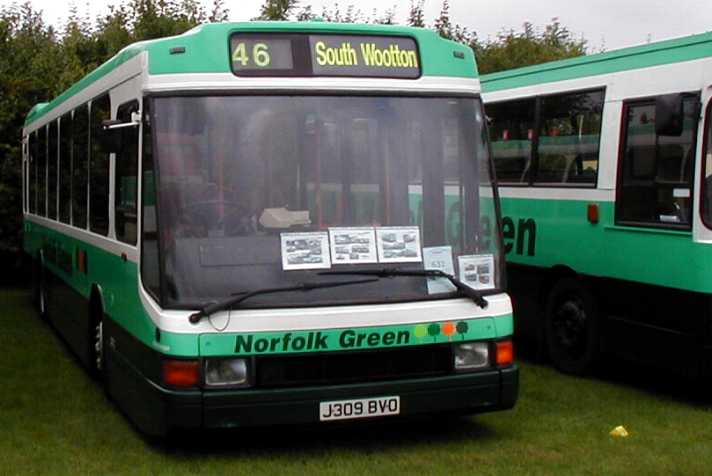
258,192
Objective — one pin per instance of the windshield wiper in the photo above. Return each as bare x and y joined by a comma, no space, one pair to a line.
461,287
233,300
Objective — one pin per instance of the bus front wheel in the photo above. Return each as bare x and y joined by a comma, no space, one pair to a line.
97,338
571,327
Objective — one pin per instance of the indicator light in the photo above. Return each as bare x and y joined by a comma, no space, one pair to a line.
181,373
505,352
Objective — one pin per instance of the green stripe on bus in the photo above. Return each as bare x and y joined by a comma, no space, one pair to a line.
361,338
643,254
118,280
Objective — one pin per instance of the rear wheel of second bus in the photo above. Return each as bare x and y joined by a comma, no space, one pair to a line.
571,327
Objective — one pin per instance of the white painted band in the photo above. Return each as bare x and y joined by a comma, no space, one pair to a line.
230,82
331,317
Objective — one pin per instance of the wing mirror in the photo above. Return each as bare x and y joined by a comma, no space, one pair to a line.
112,131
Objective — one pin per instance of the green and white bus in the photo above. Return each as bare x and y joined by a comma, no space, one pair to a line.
274,223
605,171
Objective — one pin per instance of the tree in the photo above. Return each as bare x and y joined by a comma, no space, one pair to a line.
416,17
388,18
278,10
29,52
516,49
218,13
187,14
306,14
446,29
112,33
336,15
442,24
78,52
159,18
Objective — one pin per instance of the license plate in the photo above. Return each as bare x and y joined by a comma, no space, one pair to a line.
359,408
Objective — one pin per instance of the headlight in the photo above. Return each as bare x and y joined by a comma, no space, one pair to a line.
471,355
226,372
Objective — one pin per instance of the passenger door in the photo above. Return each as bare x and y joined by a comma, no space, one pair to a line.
654,304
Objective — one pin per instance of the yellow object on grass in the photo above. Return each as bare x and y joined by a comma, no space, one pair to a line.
619,431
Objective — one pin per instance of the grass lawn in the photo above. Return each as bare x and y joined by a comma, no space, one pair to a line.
54,419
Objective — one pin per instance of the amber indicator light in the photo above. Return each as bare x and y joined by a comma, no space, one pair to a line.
505,352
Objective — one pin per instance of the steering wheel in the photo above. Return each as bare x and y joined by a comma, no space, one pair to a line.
204,213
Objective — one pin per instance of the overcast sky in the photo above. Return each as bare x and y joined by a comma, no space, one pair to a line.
608,24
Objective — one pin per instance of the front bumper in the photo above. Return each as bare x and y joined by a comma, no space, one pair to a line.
475,392
467,393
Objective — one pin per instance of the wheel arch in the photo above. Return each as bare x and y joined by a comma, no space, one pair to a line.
552,275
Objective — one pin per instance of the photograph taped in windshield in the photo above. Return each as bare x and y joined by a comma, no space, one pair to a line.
305,251
398,244
355,245
476,271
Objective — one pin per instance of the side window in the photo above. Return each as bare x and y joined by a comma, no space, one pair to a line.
80,157
99,168
655,175
569,136
32,174
126,177
512,135
65,168
42,171
149,227
706,193
52,171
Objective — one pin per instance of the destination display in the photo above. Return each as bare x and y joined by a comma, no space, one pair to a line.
253,54
364,56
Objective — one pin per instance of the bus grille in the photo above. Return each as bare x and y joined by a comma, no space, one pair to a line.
350,367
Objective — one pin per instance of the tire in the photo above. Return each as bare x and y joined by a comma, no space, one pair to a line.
99,371
96,340
98,354
572,327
